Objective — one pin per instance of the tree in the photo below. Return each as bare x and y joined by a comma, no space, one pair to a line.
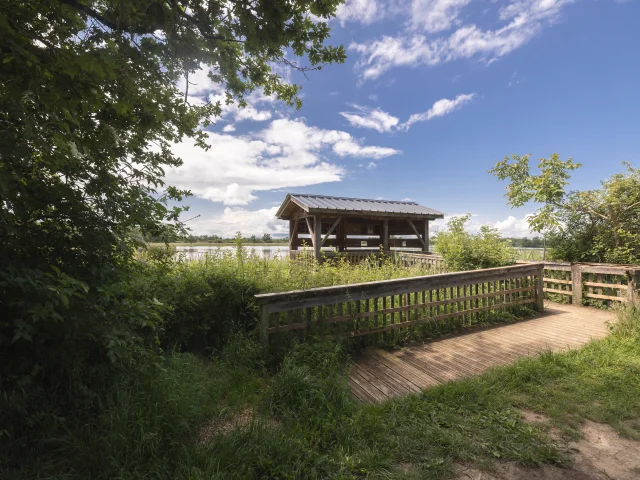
266,238
601,225
462,250
89,110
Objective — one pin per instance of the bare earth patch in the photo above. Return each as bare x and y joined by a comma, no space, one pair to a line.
601,454
242,419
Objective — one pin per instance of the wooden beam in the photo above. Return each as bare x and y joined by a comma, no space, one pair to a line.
335,224
576,284
293,234
342,236
317,229
633,295
373,215
385,235
425,244
311,232
413,227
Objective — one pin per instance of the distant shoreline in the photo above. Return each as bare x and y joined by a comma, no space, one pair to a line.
226,244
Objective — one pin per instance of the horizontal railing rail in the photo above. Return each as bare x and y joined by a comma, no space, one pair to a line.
579,282
431,260
374,307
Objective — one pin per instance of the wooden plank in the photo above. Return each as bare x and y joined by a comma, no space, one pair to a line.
364,384
410,373
604,297
605,269
558,267
437,317
373,381
561,292
264,326
360,393
556,280
606,285
333,294
383,374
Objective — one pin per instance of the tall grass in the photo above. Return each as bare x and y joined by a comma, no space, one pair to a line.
209,298
226,418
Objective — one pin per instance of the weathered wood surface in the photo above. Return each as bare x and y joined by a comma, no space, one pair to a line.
382,306
600,281
377,375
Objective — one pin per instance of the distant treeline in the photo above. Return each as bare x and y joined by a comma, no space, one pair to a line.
265,238
525,242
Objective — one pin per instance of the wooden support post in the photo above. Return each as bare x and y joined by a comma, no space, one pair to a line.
576,284
385,236
293,234
310,228
264,325
415,230
425,246
633,295
333,226
317,242
540,289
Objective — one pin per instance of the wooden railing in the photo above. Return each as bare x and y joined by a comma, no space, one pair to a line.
374,307
579,282
407,259
431,260
351,256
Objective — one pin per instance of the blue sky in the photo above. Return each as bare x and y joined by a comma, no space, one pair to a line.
433,93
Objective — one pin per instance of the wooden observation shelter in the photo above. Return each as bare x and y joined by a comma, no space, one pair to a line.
355,226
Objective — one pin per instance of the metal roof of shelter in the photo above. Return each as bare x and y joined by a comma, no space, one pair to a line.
324,203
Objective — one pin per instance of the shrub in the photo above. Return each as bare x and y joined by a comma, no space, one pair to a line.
209,299
462,250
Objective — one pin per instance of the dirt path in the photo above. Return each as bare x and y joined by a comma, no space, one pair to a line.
601,454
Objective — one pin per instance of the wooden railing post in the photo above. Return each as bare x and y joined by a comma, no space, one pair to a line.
540,288
633,297
576,284
264,325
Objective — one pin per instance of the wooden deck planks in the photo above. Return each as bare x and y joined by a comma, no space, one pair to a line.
377,375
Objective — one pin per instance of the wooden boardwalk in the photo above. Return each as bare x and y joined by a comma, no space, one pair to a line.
377,375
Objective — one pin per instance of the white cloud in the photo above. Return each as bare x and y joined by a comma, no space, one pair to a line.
288,153
435,15
509,227
202,90
514,227
361,11
229,128
371,166
232,220
442,107
525,18
373,97
371,118
377,119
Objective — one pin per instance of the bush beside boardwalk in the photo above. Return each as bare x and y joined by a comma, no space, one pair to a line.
230,418
203,402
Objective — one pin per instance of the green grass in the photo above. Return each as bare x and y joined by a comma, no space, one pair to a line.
530,254
308,426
